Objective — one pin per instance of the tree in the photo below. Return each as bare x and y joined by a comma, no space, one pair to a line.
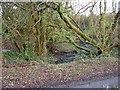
39,23
101,45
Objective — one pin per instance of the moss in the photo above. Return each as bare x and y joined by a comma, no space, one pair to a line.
65,47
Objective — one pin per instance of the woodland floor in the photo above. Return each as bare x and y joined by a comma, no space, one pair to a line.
36,75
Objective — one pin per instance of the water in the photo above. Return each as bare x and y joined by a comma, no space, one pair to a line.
68,58
5,50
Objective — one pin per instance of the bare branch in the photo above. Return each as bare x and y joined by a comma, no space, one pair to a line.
87,7
20,6
83,8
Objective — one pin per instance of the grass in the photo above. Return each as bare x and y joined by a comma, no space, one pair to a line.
66,47
21,58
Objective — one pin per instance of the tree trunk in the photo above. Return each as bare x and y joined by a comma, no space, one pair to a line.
43,46
40,35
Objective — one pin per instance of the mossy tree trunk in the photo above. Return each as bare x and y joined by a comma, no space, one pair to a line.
74,28
42,43
40,35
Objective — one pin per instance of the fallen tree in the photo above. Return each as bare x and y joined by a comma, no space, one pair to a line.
80,33
100,49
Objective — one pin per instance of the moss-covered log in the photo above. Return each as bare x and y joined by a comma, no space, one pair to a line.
73,27
76,45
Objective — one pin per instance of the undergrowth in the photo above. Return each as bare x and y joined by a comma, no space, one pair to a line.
20,58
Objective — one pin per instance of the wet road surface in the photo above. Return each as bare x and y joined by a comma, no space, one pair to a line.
111,82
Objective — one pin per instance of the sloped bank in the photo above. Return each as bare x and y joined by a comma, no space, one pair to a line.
36,75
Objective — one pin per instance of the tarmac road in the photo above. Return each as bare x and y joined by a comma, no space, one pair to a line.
106,82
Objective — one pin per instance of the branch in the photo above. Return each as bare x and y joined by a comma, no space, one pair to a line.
87,7
52,5
82,8
74,22
74,28
20,6
116,18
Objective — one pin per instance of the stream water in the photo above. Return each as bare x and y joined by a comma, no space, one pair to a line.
64,57
67,58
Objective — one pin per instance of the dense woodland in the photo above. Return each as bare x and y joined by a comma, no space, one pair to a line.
33,29
45,43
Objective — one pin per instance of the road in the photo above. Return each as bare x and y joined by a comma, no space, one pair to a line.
111,82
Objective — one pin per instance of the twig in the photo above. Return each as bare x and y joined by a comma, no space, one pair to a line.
82,8
87,7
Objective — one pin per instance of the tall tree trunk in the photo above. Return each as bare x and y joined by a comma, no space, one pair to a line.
40,35
113,26
43,46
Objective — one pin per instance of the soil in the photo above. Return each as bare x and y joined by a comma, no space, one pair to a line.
39,75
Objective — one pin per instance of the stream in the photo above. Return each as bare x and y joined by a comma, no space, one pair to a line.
69,56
